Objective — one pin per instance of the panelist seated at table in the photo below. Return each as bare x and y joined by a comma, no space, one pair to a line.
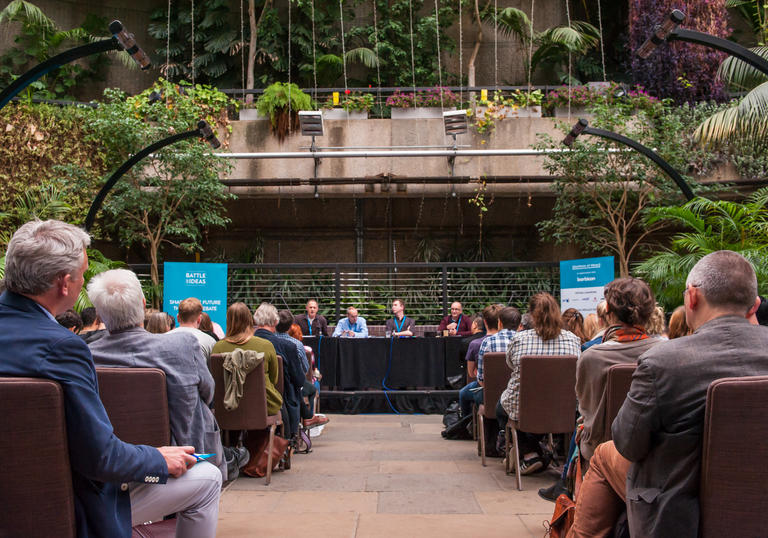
457,324
352,326
312,323
400,324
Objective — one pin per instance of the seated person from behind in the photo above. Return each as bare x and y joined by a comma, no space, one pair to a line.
70,320
352,326
190,315
312,323
93,328
457,324
472,392
118,299
653,465
400,324
44,267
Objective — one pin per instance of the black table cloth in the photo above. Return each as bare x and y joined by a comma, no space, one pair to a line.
398,363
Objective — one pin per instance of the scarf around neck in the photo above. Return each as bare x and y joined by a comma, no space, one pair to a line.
624,333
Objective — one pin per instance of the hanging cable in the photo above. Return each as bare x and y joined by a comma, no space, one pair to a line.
530,49
461,59
495,43
413,61
602,43
570,61
193,42
439,64
343,46
242,48
378,68
314,50
168,44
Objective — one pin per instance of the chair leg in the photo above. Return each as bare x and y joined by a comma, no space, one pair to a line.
507,452
517,459
481,436
474,422
269,453
552,449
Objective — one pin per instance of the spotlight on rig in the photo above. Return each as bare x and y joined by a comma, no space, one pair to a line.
660,33
576,130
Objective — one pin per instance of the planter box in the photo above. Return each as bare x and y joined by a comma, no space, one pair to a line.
525,112
250,114
341,114
419,113
576,112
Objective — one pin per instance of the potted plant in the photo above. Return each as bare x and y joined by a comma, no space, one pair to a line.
281,103
528,104
423,104
580,98
352,106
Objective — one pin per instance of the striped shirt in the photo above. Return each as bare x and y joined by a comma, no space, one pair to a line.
530,343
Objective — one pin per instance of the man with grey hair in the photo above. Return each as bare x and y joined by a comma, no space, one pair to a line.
120,303
352,326
654,460
266,319
45,263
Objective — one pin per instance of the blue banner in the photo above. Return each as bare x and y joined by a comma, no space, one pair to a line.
205,281
582,282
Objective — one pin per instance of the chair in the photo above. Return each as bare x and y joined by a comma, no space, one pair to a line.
136,400
251,414
36,494
732,495
495,378
547,401
617,385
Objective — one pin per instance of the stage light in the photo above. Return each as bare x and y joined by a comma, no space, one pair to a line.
660,33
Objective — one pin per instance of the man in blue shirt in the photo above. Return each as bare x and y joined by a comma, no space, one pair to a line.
353,326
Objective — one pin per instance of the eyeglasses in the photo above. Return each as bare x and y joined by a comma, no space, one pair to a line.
685,291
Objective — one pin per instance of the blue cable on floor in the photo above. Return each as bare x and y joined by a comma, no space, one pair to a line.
384,381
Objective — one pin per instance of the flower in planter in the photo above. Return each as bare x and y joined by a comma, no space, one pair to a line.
352,102
434,97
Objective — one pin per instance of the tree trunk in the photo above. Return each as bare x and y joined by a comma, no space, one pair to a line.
154,273
254,25
478,40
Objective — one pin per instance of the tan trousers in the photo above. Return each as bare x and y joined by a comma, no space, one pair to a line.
603,494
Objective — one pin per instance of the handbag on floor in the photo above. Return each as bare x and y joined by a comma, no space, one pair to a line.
257,446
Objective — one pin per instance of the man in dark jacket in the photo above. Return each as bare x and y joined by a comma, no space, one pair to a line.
114,482
266,319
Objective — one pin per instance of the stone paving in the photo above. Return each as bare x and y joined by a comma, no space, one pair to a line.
382,476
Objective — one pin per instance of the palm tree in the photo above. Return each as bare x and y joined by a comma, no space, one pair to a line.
714,225
744,124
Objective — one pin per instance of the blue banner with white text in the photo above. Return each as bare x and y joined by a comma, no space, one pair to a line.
582,282
205,281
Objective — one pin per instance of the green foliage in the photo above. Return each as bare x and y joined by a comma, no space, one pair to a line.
603,190
217,42
709,226
97,263
282,103
38,40
755,12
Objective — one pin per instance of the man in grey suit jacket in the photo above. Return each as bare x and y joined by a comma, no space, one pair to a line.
659,427
120,303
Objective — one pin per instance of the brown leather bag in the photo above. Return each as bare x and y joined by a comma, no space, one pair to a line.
257,444
562,519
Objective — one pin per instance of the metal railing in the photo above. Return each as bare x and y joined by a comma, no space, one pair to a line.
426,288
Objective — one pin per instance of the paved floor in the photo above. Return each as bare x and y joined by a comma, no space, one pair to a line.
383,476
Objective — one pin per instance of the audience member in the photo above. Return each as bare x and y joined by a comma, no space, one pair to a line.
399,324
473,392
119,300
656,325
266,319
573,321
93,328
456,323
148,313
70,320
677,325
352,326
206,325
157,323
239,335
478,333
657,434
546,338
591,326
312,323
602,323
306,411
526,322
190,315
295,331
761,315
171,321
44,267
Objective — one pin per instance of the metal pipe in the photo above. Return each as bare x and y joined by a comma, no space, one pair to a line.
444,146
385,154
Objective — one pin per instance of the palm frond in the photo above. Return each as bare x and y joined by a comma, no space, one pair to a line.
512,22
363,55
719,127
26,12
755,101
740,75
